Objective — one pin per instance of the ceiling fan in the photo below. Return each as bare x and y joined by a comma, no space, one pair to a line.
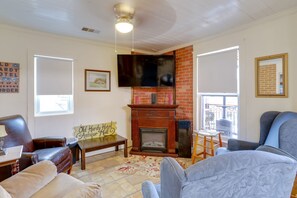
124,17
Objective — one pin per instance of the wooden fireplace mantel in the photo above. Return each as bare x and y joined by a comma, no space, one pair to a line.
153,116
153,106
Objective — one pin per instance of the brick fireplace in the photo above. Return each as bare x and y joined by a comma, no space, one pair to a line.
153,129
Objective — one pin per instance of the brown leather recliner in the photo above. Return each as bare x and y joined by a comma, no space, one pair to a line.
34,150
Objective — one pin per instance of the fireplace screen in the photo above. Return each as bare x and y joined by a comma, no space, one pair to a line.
153,139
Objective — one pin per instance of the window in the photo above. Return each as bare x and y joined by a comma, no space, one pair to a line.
218,91
53,85
219,112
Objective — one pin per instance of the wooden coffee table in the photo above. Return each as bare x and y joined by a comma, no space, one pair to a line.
100,143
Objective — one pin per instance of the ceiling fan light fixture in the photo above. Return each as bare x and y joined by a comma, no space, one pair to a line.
124,15
124,25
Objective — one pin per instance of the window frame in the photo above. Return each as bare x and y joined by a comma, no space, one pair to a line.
37,99
223,95
198,98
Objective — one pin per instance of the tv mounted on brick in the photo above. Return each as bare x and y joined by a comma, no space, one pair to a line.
146,70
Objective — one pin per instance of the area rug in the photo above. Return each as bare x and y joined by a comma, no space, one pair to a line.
143,165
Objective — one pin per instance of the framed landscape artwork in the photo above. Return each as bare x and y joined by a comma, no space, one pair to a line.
97,80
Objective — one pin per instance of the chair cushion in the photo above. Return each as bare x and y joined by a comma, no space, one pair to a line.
241,174
232,161
57,155
273,136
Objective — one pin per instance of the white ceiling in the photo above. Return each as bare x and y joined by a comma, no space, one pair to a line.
159,24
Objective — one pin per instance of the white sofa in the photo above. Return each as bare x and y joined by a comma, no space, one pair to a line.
41,180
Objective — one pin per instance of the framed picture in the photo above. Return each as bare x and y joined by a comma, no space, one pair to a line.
9,77
97,80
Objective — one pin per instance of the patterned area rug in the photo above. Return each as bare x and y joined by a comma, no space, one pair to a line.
144,165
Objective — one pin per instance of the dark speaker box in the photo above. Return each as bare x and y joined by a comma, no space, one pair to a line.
184,136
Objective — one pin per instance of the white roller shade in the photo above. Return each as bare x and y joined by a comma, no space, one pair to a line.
217,72
53,76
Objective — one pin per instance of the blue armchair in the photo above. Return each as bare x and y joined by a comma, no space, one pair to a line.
248,174
277,129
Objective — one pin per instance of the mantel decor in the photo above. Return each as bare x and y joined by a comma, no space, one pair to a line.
97,80
272,76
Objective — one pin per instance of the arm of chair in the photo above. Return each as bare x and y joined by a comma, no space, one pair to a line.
288,137
27,159
49,142
30,180
172,176
235,145
149,190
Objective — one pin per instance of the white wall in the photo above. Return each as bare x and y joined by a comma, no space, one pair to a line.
19,46
269,36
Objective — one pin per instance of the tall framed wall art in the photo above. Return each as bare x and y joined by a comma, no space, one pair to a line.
9,77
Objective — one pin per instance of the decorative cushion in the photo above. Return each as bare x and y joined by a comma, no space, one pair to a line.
4,193
56,154
273,136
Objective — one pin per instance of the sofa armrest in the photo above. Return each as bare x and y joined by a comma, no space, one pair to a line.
30,180
149,190
27,159
49,142
235,145
172,177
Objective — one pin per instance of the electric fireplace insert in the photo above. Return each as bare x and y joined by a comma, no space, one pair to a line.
153,139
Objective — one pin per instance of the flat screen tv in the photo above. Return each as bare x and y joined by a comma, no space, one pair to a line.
146,70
